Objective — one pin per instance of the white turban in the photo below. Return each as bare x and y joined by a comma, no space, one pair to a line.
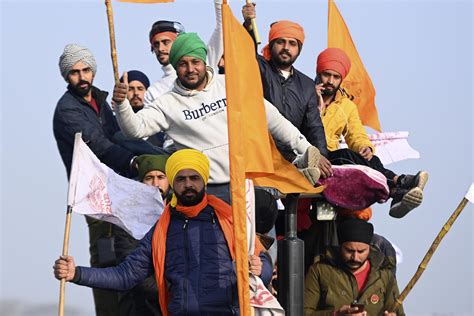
74,53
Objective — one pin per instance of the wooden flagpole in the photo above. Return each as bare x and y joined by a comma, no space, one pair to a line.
65,252
429,254
254,27
113,50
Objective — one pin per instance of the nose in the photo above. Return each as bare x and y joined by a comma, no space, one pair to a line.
188,183
155,182
330,79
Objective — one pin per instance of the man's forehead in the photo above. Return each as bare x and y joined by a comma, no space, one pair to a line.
136,83
80,66
187,173
190,58
330,72
355,245
288,39
155,173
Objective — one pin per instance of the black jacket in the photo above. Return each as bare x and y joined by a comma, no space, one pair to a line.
296,100
73,114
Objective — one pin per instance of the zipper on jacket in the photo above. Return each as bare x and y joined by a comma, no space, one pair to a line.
186,252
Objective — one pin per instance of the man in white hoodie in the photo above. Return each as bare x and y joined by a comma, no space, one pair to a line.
163,34
194,114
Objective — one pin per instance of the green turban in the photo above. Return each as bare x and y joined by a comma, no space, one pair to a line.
147,163
187,44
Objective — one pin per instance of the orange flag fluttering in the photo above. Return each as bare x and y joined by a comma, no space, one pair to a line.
357,83
146,1
252,152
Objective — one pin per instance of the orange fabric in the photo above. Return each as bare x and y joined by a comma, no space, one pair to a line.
357,83
365,214
283,29
334,59
250,145
146,1
172,36
224,216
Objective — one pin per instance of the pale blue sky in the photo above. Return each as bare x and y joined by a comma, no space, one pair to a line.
418,53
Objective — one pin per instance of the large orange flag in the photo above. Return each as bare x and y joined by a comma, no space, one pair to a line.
357,83
252,152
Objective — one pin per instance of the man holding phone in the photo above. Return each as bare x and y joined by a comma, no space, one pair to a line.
353,279
340,118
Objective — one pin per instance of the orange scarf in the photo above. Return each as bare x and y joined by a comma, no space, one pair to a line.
158,246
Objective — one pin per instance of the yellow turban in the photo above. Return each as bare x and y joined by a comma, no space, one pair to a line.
186,159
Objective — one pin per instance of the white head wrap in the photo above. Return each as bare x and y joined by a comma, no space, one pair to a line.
74,53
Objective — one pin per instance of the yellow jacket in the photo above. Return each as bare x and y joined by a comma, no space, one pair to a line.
341,118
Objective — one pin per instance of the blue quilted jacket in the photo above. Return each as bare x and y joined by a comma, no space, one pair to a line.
198,267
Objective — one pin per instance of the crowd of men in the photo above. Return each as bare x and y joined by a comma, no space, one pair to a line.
172,134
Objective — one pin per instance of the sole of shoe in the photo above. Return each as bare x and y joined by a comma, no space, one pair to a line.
313,157
411,199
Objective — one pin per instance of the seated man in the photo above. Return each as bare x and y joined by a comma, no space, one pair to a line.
194,114
341,118
190,249
142,300
352,275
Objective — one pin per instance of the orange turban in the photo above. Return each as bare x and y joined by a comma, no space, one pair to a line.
334,59
283,29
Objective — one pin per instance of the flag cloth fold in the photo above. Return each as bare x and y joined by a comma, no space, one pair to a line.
145,1
252,152
97,191
357,83
391,147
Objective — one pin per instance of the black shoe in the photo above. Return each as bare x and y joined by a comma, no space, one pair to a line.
408,194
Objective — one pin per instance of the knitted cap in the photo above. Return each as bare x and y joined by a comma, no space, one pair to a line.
74,53
147,163
355,230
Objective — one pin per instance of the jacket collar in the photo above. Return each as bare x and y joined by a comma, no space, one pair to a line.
180,89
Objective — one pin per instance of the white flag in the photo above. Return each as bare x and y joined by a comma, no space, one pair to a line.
97,191
391,147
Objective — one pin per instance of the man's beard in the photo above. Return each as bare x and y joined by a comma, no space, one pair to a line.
354,265
192,86
186,200
280,63
136,107
82,91
162,63
331,92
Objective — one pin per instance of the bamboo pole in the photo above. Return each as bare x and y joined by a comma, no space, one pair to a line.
62,285
254,27
113,50
429,254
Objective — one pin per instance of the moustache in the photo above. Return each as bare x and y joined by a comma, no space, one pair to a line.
354,263
83,82
189,191
285,52
327,85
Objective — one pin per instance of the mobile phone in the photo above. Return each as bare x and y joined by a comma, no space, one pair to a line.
360,306
318,81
